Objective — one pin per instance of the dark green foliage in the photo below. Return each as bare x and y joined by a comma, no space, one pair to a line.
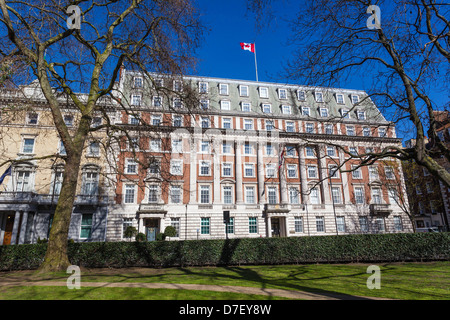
293,250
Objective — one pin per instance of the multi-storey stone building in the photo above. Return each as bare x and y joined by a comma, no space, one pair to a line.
275,158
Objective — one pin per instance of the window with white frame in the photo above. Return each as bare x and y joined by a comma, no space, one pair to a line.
373,172
333,171
130,193
205,168
376,195
301,95
205,194
359,195
418,189
345,113
175,194
154,168
382,132
380,224
366,132
319,96
227,195
204,104
306,111
248,148
133,119
155,145
205,146
58,176
246,106
269,125
68,120
282,94
309,128
177,85
291,171
389,173
223,89
290,126
203,87
248,124
360,114
131,166
175,223
363,224
398,224
177,145
204,122
176,167
157,101
353,151
324,112
429,187
336,195
263,92
250,195
153,193
350,130
62,149
136,100
310,151
28,145
227,147
270,170
159,83
156,119
298,224
269,149
320,224
340,98
272,195
266,108
226,123
393,195
329,128
249,170
294,195
177,121
356,172
340,222
331,151
176,103
355,99
286,109
23,179
243,91
314,195
227,169
290,151
225,105
90,181
312,171
138,82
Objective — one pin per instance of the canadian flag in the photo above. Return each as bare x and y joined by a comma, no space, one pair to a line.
248,46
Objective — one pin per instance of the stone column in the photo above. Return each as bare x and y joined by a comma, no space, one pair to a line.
193,171
15,228
323,175
261,175
23,227
303,175
238,172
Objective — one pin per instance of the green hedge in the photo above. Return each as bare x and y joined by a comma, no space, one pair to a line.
293,250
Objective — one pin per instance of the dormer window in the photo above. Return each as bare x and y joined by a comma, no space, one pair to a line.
138,82
319,96
282,93
340,98
263,92
301,95
202,87
223,89
243,91
355,99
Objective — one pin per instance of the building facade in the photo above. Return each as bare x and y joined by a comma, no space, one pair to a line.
214,158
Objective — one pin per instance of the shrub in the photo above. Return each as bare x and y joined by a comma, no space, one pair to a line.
292,250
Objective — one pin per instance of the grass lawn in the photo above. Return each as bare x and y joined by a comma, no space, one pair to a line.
429,281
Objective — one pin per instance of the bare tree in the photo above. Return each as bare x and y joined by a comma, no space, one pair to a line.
402,59
80,46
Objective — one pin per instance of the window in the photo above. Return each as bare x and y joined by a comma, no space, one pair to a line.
154,168
248,148
393,195
269,125
225,105
331,151
176,103
131,166
361,115
340,221
263,92
282,94
290,127
356,173
418,190
86,226
314,196
96,122
333,171
298,224
250,195
336,195
366,132
204,104
353,151
345,113
312,171
373,172
226,147
62,149
359,195
292,171
252,225
127,222
389,173
319,97
301,95
90,183
355,99
310,151
23,183
272,195
363,224
177,85
286,109
329,129
133,119
270,170
204,225
175,194
223,89
203,87
429,187
306,111
94,149
294,196
176,167
243,91
153,193
246,106
32,118
226,123
376,196
177,121
382,132
290,151
230,226
57,181
177,145
136,100
249,170
68,120
204,168
248,124
310,128
226,169
340,98
227,195
204,194
28,145
266,108
175,222
204,147
350,131
157,101
129,193
155,145
324,112
205,122
269,149
398,224
320,224
138,82
379,223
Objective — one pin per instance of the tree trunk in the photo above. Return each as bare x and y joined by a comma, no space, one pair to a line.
56,258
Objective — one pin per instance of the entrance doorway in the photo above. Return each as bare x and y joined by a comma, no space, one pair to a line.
8,229
275,223
151,228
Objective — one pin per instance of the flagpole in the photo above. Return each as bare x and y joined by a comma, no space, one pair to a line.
256,64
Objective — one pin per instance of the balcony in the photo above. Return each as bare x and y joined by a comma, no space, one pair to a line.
18,197
276,208
91,199
380,209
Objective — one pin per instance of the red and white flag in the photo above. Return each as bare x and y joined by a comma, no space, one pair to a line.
248,46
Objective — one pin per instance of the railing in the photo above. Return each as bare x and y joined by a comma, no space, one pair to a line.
18,197
276,207
379,208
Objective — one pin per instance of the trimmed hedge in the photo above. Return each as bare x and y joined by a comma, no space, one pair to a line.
292,250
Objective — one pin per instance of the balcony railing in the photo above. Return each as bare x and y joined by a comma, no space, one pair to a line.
276,208
18,197
380,209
